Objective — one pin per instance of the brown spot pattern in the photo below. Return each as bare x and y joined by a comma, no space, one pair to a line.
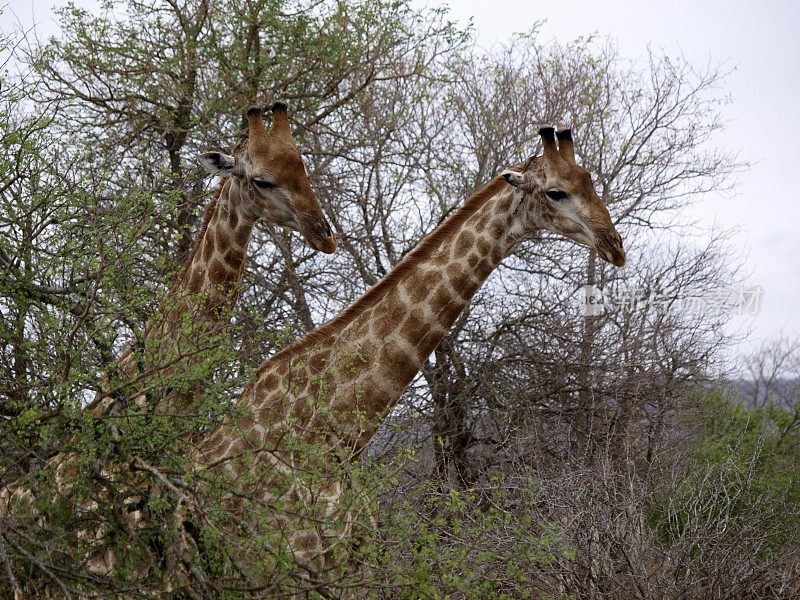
396,365
223,239
464,243
388,315
497,229
198,277
234,257
460,280
241,236
414,322
427,343
267,384
219,272
420,287
483,269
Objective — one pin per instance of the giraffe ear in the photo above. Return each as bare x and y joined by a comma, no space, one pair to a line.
217,163
512,177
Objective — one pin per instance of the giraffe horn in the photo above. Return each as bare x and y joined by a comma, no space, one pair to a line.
565,145
548,135
255,121
280,119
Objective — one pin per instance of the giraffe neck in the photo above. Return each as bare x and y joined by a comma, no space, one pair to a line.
197,307
408,323
214,270
338,383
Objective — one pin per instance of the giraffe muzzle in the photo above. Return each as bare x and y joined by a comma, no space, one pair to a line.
320,237
609,248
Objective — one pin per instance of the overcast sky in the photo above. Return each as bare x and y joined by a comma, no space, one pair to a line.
758,40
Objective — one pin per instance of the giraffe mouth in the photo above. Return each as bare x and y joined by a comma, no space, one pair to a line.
320,237
315,230
326,245
607,245
617,259
609,248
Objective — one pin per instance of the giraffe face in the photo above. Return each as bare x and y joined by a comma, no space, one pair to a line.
558,195
270,168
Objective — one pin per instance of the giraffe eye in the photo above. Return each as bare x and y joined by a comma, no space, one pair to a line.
264,185
556,194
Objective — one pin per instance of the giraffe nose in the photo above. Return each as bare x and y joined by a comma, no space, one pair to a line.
618,258
609,247
322,238
326,245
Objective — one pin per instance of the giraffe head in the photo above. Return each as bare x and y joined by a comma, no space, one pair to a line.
558,195
272,178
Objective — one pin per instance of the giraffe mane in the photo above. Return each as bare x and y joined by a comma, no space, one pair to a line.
419,254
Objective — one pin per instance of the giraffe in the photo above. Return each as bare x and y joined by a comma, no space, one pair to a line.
265,179
333,387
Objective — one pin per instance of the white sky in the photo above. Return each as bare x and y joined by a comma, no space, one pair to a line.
757,39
